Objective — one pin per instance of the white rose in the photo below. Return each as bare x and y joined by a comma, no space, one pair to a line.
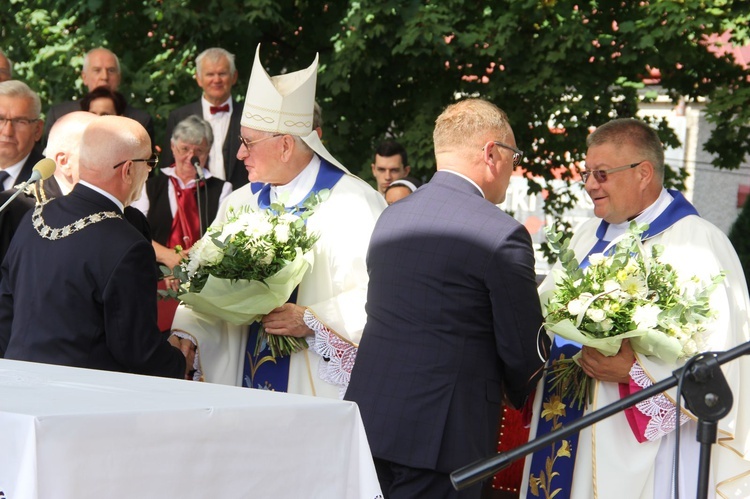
575,307
281,232
596,314
611,286
596,258
210,253
231,229
645,316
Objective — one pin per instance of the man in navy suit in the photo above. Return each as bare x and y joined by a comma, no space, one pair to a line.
216,74
452,312
77,286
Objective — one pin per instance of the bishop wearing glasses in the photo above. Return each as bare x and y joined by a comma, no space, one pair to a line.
286,162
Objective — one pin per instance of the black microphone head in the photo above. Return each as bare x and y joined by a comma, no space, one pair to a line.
196,162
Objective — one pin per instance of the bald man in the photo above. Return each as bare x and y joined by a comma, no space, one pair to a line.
106,316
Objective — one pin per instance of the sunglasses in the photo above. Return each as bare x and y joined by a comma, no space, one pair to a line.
151,162
601,175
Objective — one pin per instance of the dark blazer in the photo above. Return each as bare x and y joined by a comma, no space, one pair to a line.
34,158
233,167
85,300
452,322
11,216
56,111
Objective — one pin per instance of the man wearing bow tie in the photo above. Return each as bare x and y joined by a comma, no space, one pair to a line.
215,74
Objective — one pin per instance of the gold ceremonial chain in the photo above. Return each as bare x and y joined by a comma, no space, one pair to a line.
48,232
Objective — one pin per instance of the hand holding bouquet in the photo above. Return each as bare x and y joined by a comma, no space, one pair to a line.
624,292
249,265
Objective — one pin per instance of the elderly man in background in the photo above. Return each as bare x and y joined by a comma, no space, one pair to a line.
286,156
20,128
215,74
106,316
101,68
633,456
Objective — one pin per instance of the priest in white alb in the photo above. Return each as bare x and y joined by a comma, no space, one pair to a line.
286,162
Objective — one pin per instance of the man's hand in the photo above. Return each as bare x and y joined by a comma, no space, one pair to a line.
615,369
287,320
187,348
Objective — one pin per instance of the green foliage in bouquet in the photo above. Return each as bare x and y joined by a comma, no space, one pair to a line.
252,246
626,292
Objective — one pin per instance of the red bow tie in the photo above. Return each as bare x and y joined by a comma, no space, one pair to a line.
219,109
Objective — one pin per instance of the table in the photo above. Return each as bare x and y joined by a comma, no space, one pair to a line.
80,433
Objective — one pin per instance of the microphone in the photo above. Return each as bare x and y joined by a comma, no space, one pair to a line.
41,171
199,169
197,165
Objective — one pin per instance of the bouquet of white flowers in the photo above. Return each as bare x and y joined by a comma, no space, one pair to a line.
624,293
248,266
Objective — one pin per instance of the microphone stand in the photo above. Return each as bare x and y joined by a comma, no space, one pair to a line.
198,179
706,393
13,196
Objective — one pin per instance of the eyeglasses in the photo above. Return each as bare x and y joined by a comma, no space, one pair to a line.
601,175
517,153
191,149
151,162
248,143
17,121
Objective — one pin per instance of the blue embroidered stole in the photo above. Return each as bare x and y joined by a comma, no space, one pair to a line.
263,370
552,467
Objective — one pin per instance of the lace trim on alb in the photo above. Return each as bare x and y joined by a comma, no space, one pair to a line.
338,355
48,232
659,409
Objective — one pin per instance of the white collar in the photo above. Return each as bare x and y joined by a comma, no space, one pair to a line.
15,170
299,188
645,217
465,178
169,171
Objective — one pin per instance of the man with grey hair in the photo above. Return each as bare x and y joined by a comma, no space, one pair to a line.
20,128
215,74
6,67
286,163
452,312
106,318
101,68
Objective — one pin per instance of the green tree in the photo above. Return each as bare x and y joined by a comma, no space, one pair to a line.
388,67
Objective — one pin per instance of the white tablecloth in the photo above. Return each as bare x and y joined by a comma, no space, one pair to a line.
79,433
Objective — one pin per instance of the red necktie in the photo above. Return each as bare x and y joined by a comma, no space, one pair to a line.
219,109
